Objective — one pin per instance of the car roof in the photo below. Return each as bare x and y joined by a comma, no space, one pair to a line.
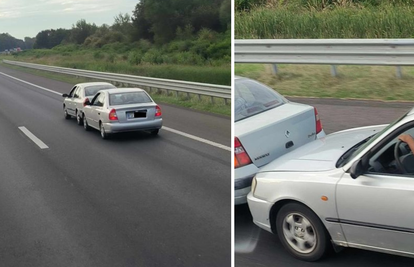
92,83
123,90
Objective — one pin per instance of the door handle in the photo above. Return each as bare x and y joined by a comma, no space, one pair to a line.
289,144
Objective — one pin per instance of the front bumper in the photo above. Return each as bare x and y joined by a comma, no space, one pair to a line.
260,210
119,127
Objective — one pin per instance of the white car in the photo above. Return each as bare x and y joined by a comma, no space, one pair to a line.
122,110
354,188
266,126
75,100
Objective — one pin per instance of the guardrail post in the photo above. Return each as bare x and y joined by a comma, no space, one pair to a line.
274,68
399,72
212,100
188,95
176,94
199,97
225,101
334,72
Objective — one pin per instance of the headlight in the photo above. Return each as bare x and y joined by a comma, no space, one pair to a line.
254,183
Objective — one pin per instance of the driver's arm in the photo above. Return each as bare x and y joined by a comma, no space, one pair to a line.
406,138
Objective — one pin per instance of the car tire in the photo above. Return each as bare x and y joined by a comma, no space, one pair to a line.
65,113
79,118
104,134
155,132
85,124
302,233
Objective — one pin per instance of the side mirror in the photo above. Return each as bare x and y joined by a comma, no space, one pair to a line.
357,169
65,95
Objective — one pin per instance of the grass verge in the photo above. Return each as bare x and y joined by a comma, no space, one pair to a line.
353,82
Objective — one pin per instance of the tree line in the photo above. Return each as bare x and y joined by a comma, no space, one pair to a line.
157,21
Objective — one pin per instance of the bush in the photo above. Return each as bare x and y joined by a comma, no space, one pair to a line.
134,58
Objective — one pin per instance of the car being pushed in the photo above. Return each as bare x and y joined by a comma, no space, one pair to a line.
75,100
267,126
353,188
122,110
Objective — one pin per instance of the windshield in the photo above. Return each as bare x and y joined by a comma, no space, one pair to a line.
93,89
355,150
252,98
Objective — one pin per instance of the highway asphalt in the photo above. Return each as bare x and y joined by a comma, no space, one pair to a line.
256,247
134,200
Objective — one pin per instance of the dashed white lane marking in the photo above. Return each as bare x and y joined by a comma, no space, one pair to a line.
32,137
199,139
37,86
211,143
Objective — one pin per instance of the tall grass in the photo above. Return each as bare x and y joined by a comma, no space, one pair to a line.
290,20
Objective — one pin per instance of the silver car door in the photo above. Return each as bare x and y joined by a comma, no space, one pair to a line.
96,110
69,101
76,100
376,211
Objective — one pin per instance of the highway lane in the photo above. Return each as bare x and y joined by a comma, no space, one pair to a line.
256,247
134,200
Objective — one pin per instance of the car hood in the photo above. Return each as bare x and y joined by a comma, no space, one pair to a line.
321,154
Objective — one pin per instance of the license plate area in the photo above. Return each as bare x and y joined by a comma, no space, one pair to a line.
136,114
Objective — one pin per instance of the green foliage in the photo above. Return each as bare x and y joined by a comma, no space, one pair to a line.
98,55
82,30
134,58
247,4
340,22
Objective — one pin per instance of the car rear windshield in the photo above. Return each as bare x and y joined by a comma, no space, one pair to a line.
252,97
93,89
128,98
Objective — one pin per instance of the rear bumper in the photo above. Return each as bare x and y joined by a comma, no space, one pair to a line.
116,127
242,182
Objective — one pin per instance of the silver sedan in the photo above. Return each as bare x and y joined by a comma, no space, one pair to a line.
266,126
122,110
354,188
74,101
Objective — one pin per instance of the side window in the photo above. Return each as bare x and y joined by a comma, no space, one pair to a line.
76,93
99,100
394,157
94,100
72,91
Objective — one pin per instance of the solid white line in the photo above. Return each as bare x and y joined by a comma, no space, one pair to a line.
165,128
211,143
32,137
37,86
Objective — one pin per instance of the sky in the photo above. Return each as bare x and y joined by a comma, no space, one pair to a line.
26,18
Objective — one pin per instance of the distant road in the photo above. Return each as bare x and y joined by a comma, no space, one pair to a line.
134,200
255,247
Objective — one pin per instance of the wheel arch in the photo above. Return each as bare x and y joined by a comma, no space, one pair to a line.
279,204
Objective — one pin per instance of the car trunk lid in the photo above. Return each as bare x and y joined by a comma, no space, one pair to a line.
275,132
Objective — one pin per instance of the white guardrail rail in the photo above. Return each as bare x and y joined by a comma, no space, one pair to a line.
211,90
391,52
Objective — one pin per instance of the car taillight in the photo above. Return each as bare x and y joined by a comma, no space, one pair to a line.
112,115
157,111
318,122
240,155
85,101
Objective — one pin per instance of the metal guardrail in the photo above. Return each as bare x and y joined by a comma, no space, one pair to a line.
386,52
211,90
